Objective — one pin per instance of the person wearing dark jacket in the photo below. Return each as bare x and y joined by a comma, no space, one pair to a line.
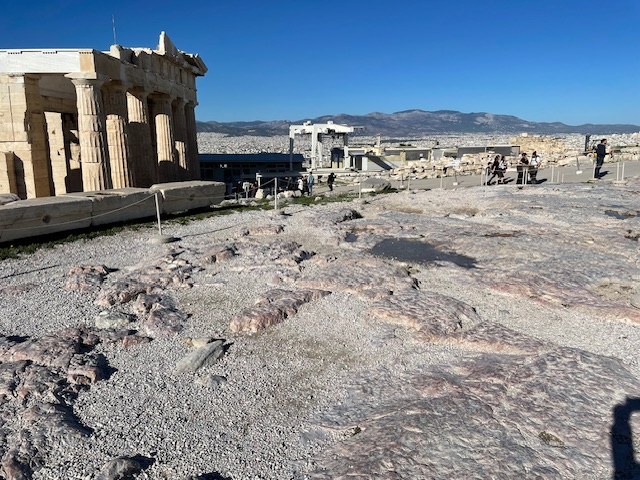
330,179
601,152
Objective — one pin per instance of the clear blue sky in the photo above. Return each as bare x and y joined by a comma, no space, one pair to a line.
573,61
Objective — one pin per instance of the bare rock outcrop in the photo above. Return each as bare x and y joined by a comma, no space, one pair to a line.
546,415
430,315
39,380
272,308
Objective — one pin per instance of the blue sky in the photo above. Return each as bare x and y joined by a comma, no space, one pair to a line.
546,60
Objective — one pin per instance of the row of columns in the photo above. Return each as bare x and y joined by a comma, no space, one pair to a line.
118,128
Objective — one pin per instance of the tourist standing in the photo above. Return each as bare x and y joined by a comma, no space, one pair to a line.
330,179
601,152
310,181
533,167
523,167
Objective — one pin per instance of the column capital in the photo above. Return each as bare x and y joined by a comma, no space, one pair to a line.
180,101
139,92
117,86
82,79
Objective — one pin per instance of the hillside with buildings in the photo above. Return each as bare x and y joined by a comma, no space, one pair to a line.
419,123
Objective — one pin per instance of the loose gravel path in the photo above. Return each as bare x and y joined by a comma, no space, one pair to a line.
335,363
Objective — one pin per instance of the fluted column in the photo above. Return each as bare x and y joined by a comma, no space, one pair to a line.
115,104
36,166
94,155
192,142
180,132
143,163
161,111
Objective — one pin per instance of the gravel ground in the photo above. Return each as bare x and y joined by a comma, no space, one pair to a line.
289,388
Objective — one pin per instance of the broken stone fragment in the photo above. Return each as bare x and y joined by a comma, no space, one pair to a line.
122,468
212,381
111,319
197,342
163,321
202,357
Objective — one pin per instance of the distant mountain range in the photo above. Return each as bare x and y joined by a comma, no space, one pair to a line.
414,123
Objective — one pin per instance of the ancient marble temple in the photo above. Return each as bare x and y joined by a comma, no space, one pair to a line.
75,120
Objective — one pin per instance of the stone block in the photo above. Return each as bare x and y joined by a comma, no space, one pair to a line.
7,173
119,205
42,216
182,196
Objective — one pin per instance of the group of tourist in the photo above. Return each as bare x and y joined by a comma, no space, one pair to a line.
306,183
527,169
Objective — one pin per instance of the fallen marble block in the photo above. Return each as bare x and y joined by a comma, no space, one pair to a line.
43,216
374,185
119,205
183,196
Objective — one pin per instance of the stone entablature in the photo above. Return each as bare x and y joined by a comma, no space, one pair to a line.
84,120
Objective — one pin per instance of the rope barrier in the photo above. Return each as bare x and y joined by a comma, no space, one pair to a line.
79,219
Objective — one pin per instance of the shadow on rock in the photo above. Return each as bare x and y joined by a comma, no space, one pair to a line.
408,250
624,463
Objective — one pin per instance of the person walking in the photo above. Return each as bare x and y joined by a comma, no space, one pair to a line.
601,152
493,167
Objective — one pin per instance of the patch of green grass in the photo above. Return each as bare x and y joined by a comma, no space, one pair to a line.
28,246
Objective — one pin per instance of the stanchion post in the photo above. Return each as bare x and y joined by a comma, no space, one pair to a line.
275,181
360,189
562,178
408,182
441,177
617,171
158,212
622,176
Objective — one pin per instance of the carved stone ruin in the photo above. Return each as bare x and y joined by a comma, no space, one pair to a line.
74,120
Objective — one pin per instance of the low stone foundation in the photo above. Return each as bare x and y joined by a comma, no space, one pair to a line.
46,215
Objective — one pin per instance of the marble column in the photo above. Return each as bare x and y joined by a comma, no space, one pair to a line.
115,105
165,145
94,154
22,108
57,152
180,132
143,161
192,142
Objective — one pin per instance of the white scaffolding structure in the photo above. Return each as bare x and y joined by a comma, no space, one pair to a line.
318,131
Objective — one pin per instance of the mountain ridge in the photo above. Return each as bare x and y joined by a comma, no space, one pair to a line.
416,122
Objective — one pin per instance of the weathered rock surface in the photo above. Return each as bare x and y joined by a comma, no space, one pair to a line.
545,415
39,380
274,307
430,315
86,277
366,277
521,362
